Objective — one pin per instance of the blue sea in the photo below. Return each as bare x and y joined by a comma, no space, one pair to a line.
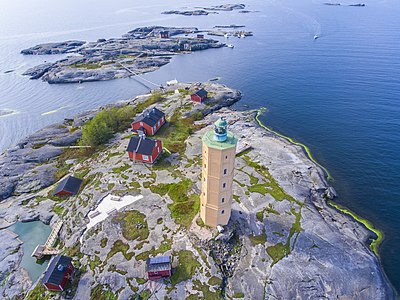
338,94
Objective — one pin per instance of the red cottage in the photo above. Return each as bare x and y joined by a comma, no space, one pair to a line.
149,121
68,186
199,96
157,267
144,149
58,273
164,34
200,36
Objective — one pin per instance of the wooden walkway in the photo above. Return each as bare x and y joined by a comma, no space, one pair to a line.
47,248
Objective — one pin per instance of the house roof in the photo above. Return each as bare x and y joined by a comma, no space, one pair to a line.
141,145
201,93
56,270
70,184
150,116
160,263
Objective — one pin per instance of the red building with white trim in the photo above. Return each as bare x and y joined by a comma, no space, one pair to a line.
199,96
149,122
157,267
58,273
141,148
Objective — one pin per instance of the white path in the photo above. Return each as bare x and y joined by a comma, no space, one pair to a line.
106,207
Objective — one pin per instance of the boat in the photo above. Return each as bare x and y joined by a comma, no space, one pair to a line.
226,35
315,37
229,45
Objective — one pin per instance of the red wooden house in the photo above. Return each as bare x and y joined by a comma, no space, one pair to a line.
68,186
144,149
164,34
199,96
200,36
157,267
149,121
58,273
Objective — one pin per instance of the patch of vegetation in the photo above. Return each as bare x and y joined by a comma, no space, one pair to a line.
113,268
141,280
207,294
101,128
166,245
120,246
134,225
58,210
159,221
374,246
186,268
185,206
215,281
121,169
178,130
279,251
100,292
238,295
103,242
145,295
110,186
236,198
271,186
258,239
94,263
39,292
260,215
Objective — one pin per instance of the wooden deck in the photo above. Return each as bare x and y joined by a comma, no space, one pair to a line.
47,248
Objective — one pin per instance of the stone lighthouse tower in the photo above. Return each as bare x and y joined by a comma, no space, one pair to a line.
219,150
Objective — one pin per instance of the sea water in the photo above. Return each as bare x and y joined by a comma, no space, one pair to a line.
338,94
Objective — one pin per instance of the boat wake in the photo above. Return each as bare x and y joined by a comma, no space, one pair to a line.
5,112
54,111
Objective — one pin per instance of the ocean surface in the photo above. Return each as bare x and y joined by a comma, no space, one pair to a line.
338,94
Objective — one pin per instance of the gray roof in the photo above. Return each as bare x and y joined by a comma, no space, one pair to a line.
141,145
56,270
150,116
201,93
70,184
160,263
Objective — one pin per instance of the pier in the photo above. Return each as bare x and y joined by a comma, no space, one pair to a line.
47,248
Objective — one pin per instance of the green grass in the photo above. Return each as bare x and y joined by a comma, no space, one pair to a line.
120,246
58,210
103,242
215,281
177,130
207,294
374,246
100,292
145,295
166,245
277,252
121,169
238,295
258,239
96,262
134,225
186,268
184,206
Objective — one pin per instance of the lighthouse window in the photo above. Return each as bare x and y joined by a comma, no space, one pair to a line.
204,179
224,185
222,212
205,166
225,171
223,200
226,157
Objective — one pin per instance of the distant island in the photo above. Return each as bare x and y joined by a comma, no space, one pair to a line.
283,240
139,51
339,4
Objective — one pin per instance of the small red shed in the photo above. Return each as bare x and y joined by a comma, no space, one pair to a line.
200,36
149,121
157,267
164,34
199,96
68,186
58,273
144,149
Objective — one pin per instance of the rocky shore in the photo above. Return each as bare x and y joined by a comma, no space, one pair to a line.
139,51
283,240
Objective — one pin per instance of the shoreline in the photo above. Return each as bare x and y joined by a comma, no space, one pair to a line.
274,161
375,242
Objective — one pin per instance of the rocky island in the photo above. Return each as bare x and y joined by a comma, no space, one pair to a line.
139,51
283,241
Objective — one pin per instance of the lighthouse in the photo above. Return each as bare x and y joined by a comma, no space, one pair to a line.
219,150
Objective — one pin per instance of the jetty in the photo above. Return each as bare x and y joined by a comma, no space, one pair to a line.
47,248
